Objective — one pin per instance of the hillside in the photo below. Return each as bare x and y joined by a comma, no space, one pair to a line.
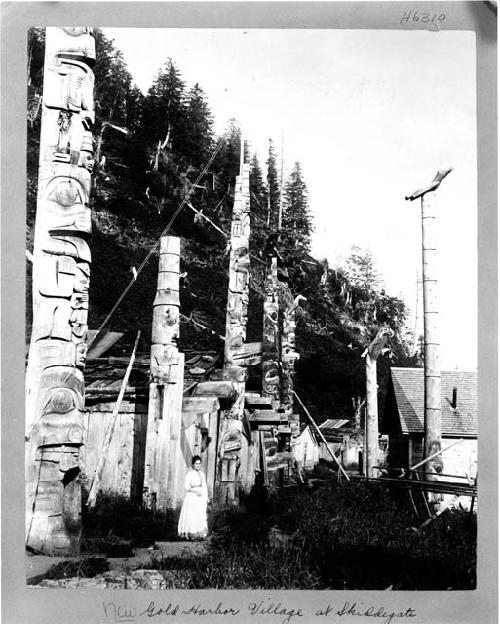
158,151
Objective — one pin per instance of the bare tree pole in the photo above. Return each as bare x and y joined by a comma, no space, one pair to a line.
234,345
432,372
371,353
61,273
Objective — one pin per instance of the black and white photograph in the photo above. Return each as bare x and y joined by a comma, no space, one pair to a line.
252,349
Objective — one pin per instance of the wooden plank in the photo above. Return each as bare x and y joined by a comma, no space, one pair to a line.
200,404
103,342
267,417
219,389
213,428
109,432
263,462
176,465
257,402
234,373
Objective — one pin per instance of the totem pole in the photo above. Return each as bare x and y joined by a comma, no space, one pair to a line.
270,337
163,452
288,358
432,372
61,272
234,346
371,353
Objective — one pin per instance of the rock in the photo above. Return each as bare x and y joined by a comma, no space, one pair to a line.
136,579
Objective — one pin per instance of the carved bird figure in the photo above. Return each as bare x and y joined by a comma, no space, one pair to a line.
434,184
377,345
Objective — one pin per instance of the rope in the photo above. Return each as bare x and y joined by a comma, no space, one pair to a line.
155,246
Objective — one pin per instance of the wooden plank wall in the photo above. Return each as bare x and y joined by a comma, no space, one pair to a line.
123,472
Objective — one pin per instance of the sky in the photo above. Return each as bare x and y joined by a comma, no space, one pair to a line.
371,115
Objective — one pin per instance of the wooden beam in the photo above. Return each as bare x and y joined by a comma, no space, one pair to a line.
200,404
219,389
61,275
431,457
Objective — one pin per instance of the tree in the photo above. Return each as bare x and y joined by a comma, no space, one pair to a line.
258,207
297,222
361,270
273,188
199,141
164,112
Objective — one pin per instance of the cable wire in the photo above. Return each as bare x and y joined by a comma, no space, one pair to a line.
155,246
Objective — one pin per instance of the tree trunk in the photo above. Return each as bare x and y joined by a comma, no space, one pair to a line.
61,272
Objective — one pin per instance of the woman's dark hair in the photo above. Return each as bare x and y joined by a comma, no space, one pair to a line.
195,459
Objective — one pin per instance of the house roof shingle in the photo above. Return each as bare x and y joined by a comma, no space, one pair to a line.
408,384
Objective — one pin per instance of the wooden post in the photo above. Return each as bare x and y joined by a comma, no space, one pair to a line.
166,386
234,346
432,373
61,272
371,354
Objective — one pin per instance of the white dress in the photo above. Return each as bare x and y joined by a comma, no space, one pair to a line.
193,518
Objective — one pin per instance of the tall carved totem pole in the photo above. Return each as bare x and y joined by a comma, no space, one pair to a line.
234,349
163,455
270,342
288,358
61,271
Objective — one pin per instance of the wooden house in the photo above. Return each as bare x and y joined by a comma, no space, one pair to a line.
306,449
123,471
331,430
403,419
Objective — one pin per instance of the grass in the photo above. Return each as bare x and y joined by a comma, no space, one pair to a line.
116,526
339,536
342,536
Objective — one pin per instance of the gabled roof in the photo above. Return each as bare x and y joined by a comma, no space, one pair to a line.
408,386
332,423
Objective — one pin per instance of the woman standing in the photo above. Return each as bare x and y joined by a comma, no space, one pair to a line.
193,518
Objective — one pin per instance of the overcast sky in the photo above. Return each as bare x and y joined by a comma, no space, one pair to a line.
371,115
